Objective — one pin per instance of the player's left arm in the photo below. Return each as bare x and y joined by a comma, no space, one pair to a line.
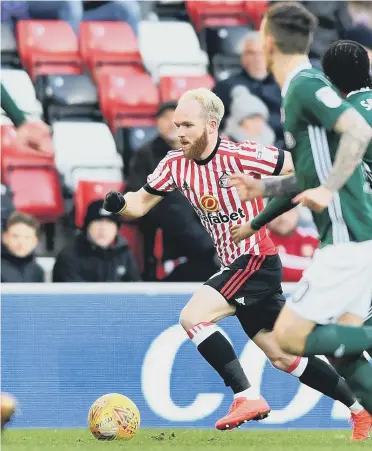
356,134
256,158
321,102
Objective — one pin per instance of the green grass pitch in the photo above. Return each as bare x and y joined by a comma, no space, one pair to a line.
182,440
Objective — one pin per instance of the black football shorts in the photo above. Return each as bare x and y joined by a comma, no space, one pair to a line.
253,284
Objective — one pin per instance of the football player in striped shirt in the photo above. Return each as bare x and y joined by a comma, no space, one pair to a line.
249,282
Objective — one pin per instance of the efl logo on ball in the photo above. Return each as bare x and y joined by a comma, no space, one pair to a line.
209,203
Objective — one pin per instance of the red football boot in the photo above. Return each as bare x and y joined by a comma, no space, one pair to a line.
243,410
362,424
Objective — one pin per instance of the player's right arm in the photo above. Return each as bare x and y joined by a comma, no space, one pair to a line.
133,204
137,204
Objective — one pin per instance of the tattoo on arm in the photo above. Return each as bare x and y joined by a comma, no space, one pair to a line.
356,134
281,186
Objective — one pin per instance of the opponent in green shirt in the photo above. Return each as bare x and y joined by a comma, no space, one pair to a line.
327,138
347,66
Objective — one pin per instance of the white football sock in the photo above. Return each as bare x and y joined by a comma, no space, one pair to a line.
249,393
356,407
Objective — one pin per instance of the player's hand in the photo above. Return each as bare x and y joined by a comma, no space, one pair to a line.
317,199
248,187
36,136
114,202
241,232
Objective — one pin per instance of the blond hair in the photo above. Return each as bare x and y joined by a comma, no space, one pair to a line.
211,104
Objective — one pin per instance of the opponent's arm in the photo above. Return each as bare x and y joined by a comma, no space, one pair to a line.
273,209
280,186
356,134
11,109
133,204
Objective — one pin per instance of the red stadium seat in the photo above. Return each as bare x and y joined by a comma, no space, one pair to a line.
37,191
209,13
171,88
255,11
50,43
127,99
132,233
12,154
103,43
88,191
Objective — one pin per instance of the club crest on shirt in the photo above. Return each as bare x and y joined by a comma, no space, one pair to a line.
223,182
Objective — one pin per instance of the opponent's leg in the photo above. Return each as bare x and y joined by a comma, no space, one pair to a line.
320,376
337,282
198,318
299,336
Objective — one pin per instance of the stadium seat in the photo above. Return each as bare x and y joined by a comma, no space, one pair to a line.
255,11
85,151
211,14
128,100
37,191
171,48
20,87
171,10
105,43
46,45
88,191
66,96
132,233
9,50
171,88
12,154
224,47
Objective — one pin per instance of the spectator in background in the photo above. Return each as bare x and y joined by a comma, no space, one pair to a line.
256,79
19,242
98,253
296,245
7,205
183,234
248,118
362,35
76,11
333,21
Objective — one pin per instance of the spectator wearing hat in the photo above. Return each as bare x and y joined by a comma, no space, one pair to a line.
248,118
97,253
19,241
183,234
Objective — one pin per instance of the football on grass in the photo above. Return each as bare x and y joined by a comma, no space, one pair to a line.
113,417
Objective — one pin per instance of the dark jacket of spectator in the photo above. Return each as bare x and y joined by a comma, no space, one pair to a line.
144,162
83,261
19,269
267,90
334,19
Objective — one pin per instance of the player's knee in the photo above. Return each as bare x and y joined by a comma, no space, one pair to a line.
282,362
188,318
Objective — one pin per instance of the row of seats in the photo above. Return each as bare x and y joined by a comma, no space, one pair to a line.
51,46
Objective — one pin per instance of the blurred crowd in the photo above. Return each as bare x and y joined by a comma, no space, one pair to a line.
98,252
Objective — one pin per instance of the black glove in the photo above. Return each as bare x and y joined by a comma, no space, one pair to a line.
114,202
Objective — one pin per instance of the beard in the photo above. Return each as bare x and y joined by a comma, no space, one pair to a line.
196,149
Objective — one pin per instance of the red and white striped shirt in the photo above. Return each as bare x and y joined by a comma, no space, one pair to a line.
205,184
